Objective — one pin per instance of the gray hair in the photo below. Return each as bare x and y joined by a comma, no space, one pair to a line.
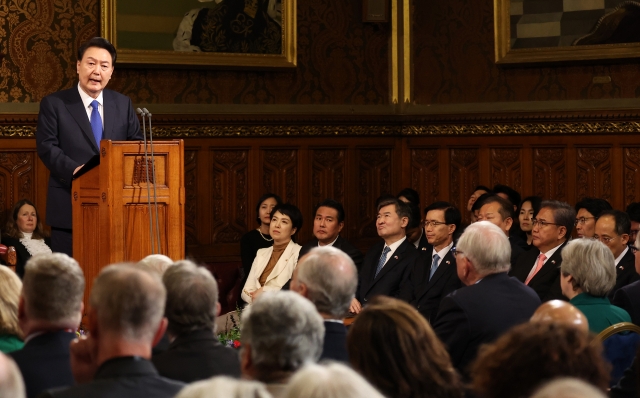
568,387
192,298
333,380
224,387
156,262
53,288
591,264
331,278
128,301
11,383
487,247
284,331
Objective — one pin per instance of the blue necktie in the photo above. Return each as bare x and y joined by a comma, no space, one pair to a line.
434,265
96,122
383,259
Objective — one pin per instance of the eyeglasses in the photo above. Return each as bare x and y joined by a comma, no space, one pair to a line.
583,220
542,223
455,251
433,223
603,239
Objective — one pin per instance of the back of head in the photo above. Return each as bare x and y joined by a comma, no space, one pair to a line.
410,195
224,387
398,352
595,206
10,287
192,298
591,264
11,383
331,278
156,262
563,214
333,380
487,247
531,354
512,195
129,302
53,287
559,311
567,387
284,331
633,210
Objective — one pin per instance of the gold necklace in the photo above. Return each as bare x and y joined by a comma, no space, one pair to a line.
260,232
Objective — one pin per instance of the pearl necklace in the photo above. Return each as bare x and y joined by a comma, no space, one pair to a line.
260,232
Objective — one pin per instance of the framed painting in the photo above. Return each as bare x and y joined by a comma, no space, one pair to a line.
535,31
220,33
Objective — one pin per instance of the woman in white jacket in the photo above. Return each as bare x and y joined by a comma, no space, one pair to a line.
272,268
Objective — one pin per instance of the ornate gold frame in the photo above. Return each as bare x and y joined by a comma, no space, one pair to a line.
287,59
505,55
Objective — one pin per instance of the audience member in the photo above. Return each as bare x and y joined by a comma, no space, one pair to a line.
272,268
628,297
224,387
587,276
491,302
587,213
475,208
156,262
529,208
409,195
10,333
529,355
396,350
191,309
415,230
477,192
499,212
327,225
567,387
433,274
125,318
25,233
508,193
328,278
539,268
333,380
11,384
388,263
281,332
633,211
612,229
558,311
49,313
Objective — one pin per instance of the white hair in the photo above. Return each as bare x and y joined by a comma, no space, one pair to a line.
591,264
224,387
487,247
333,380
567,387
156,262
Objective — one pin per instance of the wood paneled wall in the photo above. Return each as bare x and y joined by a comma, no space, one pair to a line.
225,176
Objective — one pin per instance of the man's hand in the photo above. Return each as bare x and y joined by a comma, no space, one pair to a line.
355,306
83,352
76,170
254,295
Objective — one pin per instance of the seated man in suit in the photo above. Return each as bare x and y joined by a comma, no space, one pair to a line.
125,318
539,267
499,211
613,228
49,313
281,332
433,274
388,263
490,303
192,307
328,278
628,297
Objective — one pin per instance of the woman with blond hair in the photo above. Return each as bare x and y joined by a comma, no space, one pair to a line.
10,333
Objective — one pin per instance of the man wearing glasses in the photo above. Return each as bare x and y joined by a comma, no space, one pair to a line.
539,268
433,275
587,212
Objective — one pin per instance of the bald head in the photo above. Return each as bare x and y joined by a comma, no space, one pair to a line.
558,311
11,384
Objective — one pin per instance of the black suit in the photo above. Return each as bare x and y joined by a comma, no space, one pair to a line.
335,342
518,246
394,273
425,294
423,245
628,298
340,243
480,313
625,272
547,281
197,355
124,377
44,362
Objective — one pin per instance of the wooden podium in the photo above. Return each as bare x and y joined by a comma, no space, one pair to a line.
111,211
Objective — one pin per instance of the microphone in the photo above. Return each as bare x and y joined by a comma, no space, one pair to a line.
153,168
146,165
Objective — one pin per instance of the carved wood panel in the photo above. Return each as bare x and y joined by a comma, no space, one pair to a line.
593,173
374,179
631,182
425,174
465,175
16,180
191,196
229,195
327,175
550,173
280,173
506,167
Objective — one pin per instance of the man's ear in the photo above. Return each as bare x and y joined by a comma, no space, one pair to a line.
508,223
340,226
404,221
452,228
562,232
303,290
624,238
162,328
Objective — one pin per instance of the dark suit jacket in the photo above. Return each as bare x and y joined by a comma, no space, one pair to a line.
22,253
65,141
547,281
335,342
423,245
394,273
425,294
480,313
197,356
628,298
625,272
44,362
340,243
124,377
518,246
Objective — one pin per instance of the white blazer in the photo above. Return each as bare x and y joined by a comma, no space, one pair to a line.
280,274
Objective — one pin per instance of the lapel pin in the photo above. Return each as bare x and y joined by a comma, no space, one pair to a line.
553,262
396,257
622,268
424,249
448,262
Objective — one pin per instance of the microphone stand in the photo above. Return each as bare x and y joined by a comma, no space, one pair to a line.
146,163
155,191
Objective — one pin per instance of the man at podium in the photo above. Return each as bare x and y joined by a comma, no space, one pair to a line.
71,124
